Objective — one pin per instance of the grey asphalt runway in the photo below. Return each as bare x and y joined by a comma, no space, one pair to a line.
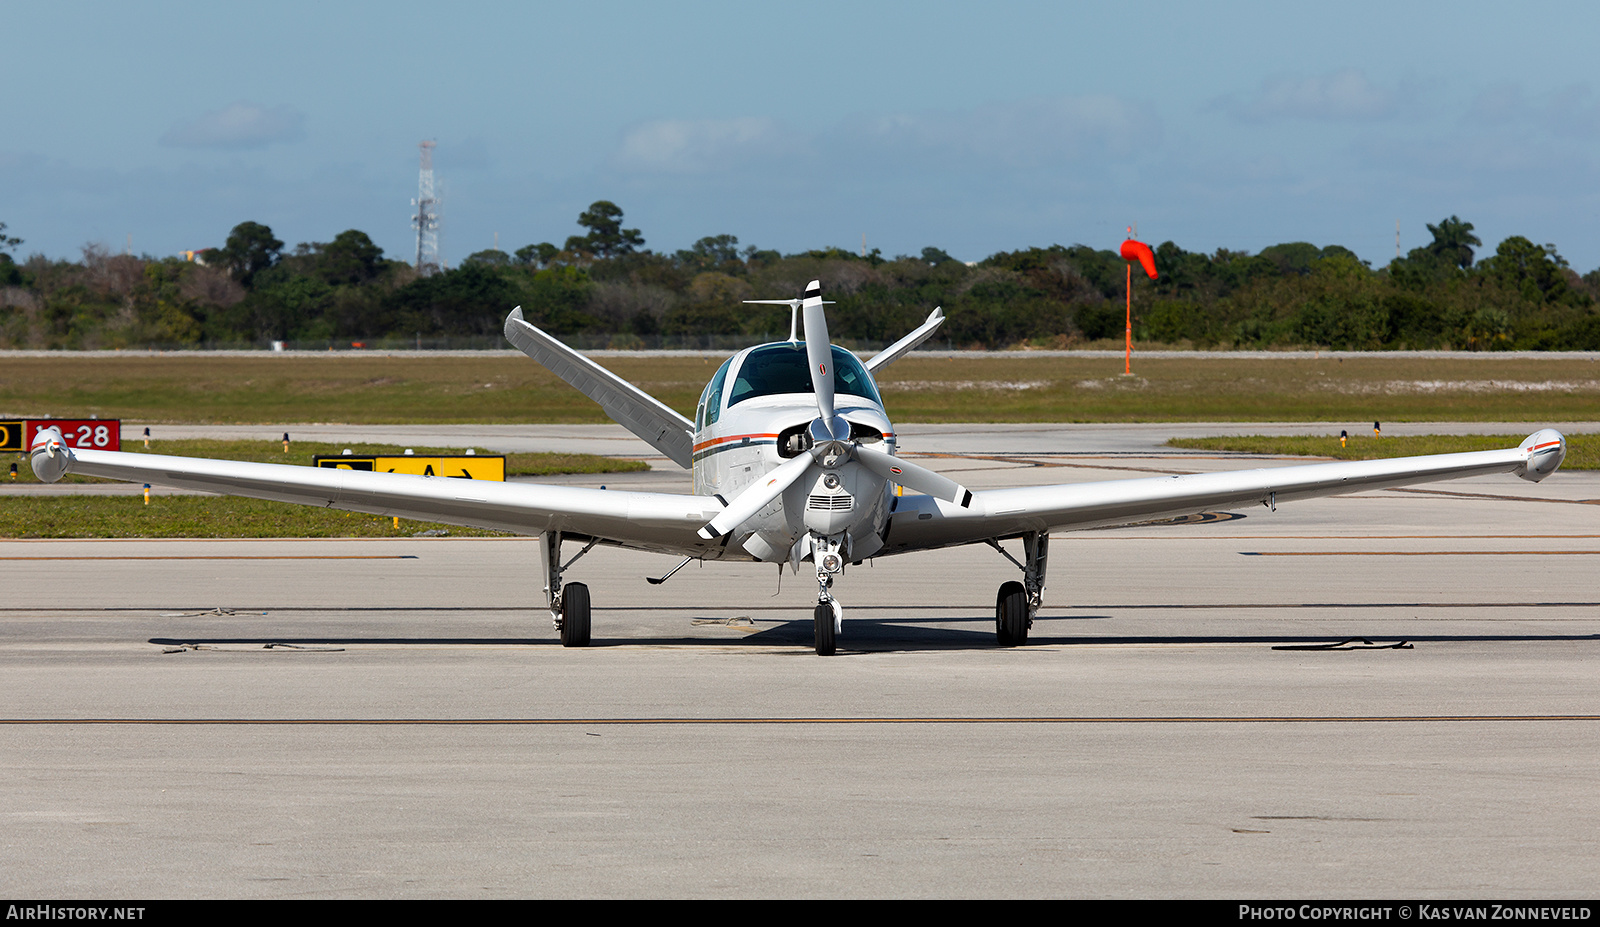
396,719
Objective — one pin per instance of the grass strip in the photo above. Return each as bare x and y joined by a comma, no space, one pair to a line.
378,389
198,517
1583,450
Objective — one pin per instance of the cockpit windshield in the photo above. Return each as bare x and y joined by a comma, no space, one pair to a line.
774,369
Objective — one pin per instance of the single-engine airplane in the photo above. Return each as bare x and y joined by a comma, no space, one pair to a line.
794,460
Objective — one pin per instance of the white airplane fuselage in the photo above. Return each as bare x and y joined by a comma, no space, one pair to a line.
743,433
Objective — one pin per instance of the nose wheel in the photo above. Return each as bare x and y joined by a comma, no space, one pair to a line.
827,617
822,624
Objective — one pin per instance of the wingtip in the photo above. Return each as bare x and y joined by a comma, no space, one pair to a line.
49,455
513,320
1545,450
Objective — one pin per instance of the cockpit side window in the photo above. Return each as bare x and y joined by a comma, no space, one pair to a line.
776,369
711,400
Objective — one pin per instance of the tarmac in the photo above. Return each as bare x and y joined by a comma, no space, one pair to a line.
1383,695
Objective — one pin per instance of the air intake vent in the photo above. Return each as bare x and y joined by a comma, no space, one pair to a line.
840,503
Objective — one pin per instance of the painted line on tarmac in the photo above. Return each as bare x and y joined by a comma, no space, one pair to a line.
1035,462
1285,605
647,607
1413,553
616,722
1079,536
1495,496
238,557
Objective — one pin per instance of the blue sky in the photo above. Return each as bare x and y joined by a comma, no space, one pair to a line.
973,128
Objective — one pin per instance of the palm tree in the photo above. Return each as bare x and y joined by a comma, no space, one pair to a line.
1453,241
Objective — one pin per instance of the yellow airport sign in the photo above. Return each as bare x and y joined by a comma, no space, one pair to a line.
463,467
11,436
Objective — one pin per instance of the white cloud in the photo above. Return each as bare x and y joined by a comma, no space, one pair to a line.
239,126
694,146
1342,96
1009,135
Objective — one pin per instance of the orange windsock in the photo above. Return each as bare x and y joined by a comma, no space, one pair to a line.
1139,251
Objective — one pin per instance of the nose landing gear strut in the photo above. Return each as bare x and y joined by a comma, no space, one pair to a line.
827,619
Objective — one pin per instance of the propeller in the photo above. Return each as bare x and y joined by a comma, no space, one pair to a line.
830,436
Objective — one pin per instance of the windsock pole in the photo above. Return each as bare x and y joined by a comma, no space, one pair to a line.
1127,358
1134,251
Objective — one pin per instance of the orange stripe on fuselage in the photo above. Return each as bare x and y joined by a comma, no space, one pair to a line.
715,441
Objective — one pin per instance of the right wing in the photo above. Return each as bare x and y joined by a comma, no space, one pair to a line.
628,405
661,522
922,522
894,351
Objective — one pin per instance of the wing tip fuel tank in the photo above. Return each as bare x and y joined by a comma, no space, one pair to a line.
1545,449
48,456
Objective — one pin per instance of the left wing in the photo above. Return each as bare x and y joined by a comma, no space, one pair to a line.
663,522
922,522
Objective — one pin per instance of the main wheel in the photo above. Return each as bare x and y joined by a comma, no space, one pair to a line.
575,615
822,624
1011,614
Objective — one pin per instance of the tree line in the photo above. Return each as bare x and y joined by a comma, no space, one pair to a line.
603,287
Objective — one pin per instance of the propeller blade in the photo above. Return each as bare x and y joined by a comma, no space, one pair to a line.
746,504
911,476
819,355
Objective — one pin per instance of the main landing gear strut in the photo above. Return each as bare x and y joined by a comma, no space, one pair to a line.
1016,603
569,604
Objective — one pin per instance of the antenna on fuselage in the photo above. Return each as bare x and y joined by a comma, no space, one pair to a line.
794,313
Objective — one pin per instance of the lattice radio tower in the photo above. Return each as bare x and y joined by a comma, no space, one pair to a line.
426,220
